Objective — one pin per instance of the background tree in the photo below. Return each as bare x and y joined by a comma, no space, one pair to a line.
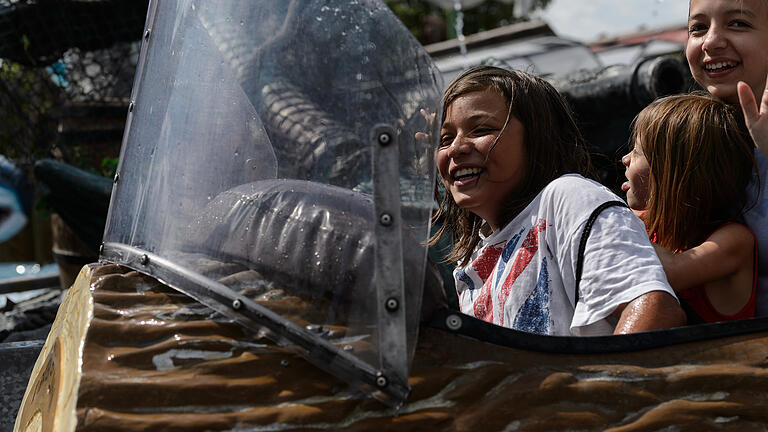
424,18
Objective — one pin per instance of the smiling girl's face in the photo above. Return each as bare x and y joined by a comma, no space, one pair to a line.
478,181
728,43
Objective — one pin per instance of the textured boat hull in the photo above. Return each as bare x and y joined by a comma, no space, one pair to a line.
154,359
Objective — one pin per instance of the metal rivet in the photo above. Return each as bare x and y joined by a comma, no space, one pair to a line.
144,259
146,34
381,380
236,304
385,219
285,363
314,328
385,138
130,107
117,177
453,322
391,304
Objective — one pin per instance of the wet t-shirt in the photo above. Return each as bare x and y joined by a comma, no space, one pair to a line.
523,276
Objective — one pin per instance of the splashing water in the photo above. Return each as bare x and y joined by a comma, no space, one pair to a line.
459,27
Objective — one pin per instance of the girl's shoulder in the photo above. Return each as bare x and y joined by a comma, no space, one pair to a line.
730,245
570,182
568,201
733,235
572,191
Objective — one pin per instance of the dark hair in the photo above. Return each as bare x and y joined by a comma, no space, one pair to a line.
700,160
554,146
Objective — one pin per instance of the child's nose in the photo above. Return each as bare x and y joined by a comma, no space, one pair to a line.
459,145
714,39
625,159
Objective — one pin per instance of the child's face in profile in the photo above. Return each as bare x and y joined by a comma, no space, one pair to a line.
728,43
637,173
480,182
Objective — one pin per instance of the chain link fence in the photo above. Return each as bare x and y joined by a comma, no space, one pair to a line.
66,71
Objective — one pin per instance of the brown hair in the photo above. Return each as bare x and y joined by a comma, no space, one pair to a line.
554,146
700,158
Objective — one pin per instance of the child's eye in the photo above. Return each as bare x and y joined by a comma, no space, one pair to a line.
445,140
696,28
740,24
483,131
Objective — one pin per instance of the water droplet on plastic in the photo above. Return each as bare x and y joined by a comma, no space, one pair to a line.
319,18
325,9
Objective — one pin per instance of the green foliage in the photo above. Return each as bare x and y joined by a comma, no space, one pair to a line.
412,13
488,15
108,166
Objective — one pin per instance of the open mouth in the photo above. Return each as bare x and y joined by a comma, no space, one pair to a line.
719,67
465,174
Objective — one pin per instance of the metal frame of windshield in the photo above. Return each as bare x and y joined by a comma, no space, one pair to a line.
257,318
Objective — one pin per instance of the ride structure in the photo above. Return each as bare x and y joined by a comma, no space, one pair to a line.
264,263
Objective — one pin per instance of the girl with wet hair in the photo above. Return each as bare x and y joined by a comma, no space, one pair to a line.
539,246
687,177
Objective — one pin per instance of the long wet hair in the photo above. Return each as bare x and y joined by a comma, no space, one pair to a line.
553,147
700,159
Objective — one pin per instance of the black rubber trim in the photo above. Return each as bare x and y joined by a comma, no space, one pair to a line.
502,336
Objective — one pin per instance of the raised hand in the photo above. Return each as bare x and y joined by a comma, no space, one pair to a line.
426,135
756,120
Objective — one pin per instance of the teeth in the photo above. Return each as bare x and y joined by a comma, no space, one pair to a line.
467,172
719,65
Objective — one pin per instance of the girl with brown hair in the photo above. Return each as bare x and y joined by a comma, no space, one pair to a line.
728,56
686,177
539,247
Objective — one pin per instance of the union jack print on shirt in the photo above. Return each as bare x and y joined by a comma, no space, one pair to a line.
497,269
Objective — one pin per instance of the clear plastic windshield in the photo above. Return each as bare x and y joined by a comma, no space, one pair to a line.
247,170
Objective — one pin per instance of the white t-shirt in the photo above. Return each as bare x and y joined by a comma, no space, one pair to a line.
523,276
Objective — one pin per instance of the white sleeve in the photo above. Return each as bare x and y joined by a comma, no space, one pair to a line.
619,265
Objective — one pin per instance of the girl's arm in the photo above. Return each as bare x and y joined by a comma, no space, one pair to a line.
651,311
757,121
726,251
